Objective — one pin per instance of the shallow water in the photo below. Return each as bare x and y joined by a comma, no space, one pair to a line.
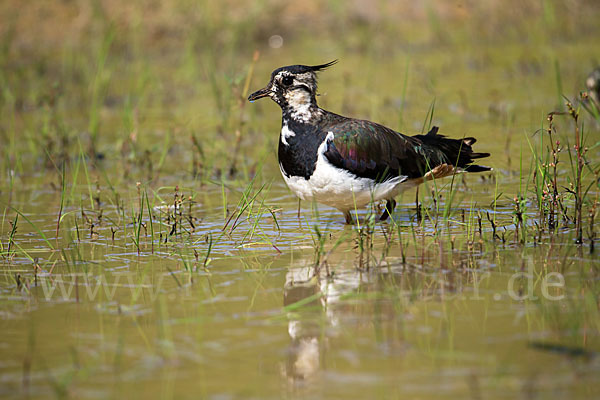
204,301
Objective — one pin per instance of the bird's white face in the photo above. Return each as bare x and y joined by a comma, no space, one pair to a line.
593,82
293,90
590,83
298,91
287,86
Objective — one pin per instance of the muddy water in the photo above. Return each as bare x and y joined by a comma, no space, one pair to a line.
200,303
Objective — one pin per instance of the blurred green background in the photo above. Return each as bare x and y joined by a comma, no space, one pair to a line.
121,77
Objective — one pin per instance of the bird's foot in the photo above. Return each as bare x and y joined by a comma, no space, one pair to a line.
389,209
349,219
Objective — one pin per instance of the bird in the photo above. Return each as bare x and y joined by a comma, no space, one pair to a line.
593,85
347,163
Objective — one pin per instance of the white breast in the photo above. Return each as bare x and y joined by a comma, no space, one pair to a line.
338,188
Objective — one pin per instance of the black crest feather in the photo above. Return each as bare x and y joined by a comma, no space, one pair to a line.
301,69
316,68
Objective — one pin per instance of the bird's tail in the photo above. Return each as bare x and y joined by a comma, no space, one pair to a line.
457,151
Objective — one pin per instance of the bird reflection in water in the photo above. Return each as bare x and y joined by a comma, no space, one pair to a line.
379,302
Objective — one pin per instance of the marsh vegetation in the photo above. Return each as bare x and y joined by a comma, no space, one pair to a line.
149,247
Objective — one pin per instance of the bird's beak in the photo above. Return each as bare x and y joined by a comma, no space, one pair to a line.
264,92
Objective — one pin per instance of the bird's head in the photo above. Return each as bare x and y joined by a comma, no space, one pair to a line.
294,86
593,84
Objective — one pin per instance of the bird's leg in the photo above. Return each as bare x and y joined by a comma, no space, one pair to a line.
389,209
349,219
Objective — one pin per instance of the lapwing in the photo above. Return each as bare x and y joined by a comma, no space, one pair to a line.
347,163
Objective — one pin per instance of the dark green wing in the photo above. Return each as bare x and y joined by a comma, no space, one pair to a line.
370,150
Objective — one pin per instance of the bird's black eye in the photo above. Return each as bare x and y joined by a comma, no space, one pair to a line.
287,81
